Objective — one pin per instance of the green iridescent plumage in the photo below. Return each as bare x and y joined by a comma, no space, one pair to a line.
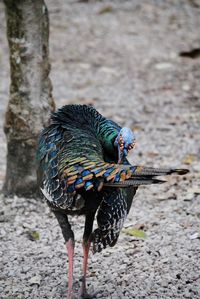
83,171
74,153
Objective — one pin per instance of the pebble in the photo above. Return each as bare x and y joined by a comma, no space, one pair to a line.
163,66
35,280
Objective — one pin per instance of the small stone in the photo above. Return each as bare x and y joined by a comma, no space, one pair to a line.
163,66
186,87
35,280
194,236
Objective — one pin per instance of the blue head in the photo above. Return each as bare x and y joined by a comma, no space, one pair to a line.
125,141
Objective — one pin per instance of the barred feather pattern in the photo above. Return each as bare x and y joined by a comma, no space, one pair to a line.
110,218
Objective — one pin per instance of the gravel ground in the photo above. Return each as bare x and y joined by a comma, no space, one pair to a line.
124,58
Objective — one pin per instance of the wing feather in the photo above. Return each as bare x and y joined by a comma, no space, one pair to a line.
72,158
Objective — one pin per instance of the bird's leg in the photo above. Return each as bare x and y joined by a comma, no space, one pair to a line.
69,242
86,247
70,252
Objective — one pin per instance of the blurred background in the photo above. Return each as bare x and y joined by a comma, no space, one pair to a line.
138,63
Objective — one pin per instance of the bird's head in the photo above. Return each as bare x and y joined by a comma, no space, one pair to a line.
125,141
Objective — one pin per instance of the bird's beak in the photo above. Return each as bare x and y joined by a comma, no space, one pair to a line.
121,154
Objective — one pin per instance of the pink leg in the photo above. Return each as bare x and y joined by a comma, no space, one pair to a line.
70,251
86,248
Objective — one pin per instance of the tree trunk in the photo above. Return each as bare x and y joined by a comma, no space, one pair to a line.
31,99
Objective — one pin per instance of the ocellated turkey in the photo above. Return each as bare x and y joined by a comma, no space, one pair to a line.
83,170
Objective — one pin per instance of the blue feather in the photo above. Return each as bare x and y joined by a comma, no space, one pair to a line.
117,177
85,172
88,184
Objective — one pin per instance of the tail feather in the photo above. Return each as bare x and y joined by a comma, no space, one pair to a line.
134,182
149,171
145,176
181,171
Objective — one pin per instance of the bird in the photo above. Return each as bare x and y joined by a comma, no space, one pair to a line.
83,170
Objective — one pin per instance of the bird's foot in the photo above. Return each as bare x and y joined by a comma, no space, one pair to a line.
83,292
85,295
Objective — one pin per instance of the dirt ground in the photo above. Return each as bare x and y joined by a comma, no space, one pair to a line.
124,58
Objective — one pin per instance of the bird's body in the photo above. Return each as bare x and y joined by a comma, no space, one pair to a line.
83,171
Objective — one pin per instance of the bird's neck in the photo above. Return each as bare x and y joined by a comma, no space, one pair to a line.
106,130
107,133
87,117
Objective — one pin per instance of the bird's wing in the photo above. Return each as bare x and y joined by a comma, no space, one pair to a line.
72,159
111,216
87,172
